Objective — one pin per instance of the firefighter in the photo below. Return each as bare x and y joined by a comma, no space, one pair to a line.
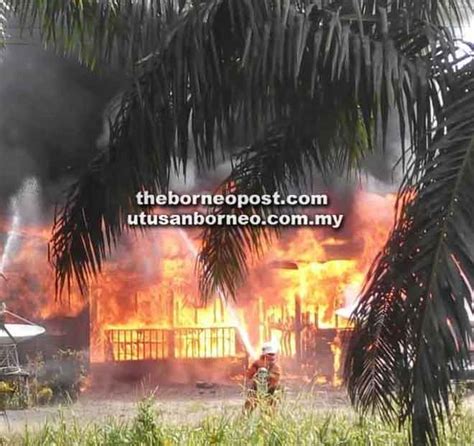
263,377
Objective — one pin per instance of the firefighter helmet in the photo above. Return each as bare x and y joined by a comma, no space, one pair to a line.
269,348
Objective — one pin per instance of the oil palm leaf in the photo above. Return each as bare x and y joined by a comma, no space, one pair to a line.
4,13
99,32
412,330
276,63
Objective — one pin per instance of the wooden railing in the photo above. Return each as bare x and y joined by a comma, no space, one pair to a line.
162,343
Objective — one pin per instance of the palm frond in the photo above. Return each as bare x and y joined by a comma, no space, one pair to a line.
449,13
269,166
412,330
98,31
4,13
438,12
229,67
321,141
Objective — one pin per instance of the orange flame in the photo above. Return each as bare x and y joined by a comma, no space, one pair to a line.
149,284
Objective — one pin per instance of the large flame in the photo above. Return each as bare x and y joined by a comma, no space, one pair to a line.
147,295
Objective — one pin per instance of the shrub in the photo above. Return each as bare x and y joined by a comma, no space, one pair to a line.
6,392
44,395
58,379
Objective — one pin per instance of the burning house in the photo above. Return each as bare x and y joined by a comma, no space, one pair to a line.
144,314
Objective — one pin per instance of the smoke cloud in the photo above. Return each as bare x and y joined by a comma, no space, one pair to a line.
53,120
51,117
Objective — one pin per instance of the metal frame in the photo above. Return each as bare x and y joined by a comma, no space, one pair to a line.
9,360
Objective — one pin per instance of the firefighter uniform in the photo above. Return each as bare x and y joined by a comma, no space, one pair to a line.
274,374
274,371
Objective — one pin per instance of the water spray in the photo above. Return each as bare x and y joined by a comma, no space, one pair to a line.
244,336
22,204
11,237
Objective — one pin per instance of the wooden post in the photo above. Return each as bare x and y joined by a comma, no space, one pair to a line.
222,310
298,327
176,315
96,332
172,309
172,318
261,321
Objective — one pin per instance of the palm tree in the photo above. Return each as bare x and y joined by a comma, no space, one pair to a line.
292,89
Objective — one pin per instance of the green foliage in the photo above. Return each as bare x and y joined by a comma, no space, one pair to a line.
58,379
4,13
292,425
6,392
44,395
97,32
146,429
13,394
412,330
331,78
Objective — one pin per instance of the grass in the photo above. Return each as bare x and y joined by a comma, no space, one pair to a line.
295,423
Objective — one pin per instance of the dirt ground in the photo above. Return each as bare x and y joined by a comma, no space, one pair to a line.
174,403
